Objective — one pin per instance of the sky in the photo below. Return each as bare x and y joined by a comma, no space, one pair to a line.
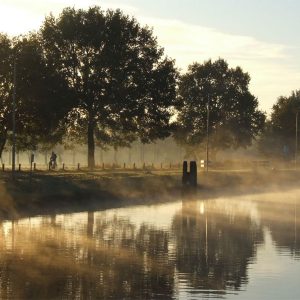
261,36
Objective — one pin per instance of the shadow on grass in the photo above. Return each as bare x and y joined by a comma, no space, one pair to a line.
61,193
56,193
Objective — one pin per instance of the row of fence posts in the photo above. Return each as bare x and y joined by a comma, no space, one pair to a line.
33,166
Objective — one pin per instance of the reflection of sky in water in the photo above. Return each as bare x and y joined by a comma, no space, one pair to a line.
240,247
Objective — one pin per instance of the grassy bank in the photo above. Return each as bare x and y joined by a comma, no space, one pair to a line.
61,192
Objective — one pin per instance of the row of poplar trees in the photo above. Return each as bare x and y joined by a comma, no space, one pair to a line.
100,78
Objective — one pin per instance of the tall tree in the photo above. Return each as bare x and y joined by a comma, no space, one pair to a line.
278,138
123,83
5,88
234,118
44,99
39,94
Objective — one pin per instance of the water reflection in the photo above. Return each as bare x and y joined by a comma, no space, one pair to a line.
215,244
281,216
179,250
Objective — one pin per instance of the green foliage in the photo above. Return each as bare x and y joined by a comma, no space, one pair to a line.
39,94
5,88
234,119
124,87
278,138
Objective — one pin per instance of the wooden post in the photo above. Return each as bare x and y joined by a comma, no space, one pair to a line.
193,173
184,173
19,167
78,166
189,178
3,167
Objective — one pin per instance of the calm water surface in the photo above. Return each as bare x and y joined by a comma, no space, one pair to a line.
242,247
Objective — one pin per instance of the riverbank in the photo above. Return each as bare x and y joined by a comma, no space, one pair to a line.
63,192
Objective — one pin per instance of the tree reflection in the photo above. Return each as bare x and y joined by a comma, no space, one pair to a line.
214,246
101,255
281,216
102,258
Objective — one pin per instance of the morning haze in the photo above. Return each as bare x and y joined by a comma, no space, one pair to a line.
149,150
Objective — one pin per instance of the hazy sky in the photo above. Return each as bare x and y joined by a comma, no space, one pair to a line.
262,36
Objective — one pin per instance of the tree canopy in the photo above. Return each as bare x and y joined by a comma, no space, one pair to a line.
278,138
39,92
234,117
5,88
123,85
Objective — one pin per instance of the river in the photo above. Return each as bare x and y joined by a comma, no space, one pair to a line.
235,247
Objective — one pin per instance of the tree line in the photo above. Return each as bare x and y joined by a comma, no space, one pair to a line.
100,78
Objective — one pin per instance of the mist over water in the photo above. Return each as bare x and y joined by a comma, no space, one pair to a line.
228,247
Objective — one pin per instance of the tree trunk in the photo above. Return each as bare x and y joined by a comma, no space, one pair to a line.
74,157
101,156
142,153
46,158
129,155
115,156
2,144
91,145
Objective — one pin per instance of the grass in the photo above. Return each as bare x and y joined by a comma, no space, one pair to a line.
45,192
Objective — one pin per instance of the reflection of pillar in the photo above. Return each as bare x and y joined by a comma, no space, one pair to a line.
190,212
87,285
206,243
295,227
53,220
13,234
90,224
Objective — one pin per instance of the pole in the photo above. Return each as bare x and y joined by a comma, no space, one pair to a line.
207,134
14,121
296,140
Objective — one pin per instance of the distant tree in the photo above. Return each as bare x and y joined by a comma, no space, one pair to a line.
234,118
278,138
124,86
39,92
5,88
